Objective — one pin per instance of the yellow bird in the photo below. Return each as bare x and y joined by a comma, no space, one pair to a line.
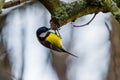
50,40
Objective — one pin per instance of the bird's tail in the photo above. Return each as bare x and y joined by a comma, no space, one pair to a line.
68,53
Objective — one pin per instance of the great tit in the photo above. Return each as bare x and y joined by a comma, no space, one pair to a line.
50,40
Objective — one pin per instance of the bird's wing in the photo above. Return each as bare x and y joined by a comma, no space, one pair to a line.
53,47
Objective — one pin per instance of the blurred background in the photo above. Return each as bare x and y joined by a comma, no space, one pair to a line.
22,57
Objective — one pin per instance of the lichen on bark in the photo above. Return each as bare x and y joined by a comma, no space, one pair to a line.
66,12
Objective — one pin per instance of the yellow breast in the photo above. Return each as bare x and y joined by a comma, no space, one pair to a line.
54,39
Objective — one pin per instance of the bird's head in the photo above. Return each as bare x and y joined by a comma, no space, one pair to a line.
42,31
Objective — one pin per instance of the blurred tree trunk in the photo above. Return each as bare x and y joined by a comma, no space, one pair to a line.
5,73
114,69
5,67
59,64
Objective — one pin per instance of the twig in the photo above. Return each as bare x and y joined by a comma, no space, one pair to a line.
108,28
85,23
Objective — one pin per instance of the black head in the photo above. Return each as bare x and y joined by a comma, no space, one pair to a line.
42,30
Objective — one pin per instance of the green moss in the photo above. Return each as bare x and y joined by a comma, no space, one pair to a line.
60,13
67,10
71,11
112,6
117,2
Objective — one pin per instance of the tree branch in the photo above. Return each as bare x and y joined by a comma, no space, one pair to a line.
113,8
1,5
66,12
117,2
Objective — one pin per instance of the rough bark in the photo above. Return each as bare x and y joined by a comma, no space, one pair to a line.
63,13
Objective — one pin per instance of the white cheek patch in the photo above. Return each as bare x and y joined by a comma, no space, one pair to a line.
43,34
